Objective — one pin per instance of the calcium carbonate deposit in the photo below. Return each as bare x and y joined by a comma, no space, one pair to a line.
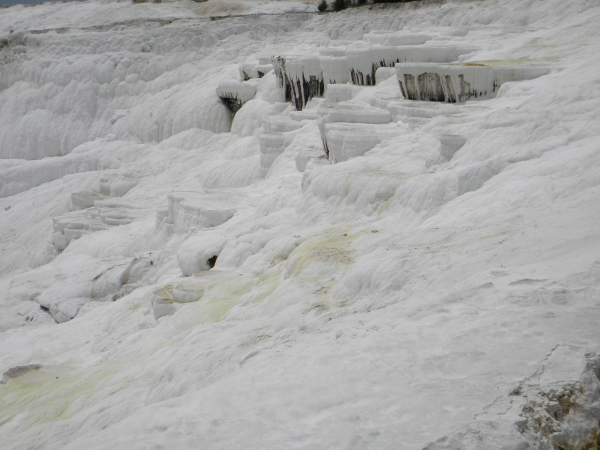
250,225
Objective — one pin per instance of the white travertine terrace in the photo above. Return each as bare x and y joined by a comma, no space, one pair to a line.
189,210
459,82
349,140
400,292
349,114
104,214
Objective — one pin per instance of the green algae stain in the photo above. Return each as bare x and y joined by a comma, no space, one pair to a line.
267,282
47,395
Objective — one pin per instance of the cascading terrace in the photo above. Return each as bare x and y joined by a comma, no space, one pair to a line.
424,72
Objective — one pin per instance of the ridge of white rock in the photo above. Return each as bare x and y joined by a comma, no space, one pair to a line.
387,38
364,60
348,114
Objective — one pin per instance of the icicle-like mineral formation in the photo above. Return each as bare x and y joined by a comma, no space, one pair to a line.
234,94
279,65
364,60
459,82
306,79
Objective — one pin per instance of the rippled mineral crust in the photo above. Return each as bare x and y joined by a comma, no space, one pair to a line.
250,225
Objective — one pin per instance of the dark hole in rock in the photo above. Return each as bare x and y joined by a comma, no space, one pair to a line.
43,308
211,261
232,103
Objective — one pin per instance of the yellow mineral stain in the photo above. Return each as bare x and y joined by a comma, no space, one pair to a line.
52,393
331,246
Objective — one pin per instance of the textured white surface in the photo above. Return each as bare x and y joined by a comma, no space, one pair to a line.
377,303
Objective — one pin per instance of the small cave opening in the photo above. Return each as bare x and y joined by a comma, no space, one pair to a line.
43,308
210,262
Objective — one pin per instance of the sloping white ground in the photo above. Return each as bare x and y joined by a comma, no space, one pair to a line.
374,303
